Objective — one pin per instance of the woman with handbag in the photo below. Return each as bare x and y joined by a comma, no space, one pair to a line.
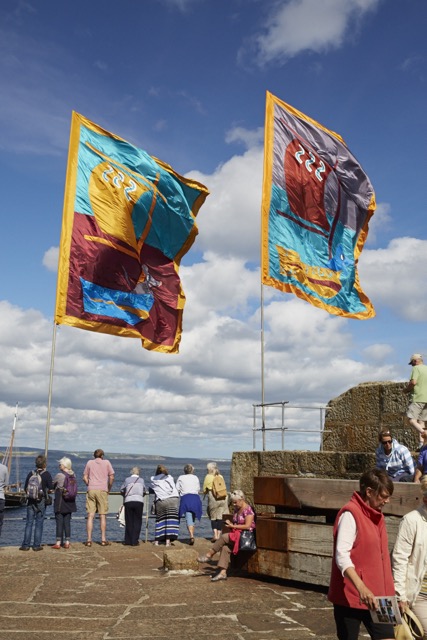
409,561
241,526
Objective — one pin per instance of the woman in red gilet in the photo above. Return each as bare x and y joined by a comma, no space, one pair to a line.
361,569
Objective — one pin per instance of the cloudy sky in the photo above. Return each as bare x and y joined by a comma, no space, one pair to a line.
186,81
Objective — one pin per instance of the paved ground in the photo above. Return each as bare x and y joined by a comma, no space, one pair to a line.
120,592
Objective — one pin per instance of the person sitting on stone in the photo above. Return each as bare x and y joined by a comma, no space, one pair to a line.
394,457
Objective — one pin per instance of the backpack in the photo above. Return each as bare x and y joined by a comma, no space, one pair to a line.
219,490
34,487
69,490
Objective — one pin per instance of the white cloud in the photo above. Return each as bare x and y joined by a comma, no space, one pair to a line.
50,259
248,137
181,5
309,25
229,222
395,277
379,222
377,352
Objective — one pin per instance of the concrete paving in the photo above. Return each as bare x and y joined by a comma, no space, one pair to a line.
120,592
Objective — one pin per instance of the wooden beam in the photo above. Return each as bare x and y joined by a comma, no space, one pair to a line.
323,494
301,536
292,535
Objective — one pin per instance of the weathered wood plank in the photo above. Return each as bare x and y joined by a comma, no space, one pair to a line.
282,534
290,535
291,566
327,494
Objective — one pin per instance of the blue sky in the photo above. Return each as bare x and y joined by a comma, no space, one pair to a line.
186,81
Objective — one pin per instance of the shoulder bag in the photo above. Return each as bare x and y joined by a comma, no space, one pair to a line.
247,540
410,629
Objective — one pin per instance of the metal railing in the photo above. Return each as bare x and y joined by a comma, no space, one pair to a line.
283,428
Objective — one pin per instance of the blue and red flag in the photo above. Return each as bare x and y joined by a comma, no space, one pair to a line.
128,220
317,202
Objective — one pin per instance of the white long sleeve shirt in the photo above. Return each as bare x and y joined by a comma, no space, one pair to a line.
188,483
346,536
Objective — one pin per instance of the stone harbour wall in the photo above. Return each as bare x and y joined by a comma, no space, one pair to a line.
354,419
246,465
352,423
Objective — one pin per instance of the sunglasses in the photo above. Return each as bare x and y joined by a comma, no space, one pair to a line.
385,441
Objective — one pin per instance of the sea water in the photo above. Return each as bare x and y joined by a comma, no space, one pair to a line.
14,518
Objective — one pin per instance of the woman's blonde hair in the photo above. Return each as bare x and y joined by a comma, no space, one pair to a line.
66,462
212,468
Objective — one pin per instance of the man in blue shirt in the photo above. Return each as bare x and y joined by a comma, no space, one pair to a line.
394,457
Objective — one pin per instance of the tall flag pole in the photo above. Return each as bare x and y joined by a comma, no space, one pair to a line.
316,206
128,220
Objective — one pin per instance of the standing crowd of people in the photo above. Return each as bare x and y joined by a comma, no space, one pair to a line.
172,501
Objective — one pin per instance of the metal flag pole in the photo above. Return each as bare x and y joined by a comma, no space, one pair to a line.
266,188
49,400
262,369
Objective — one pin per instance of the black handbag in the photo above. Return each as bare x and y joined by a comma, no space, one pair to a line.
247,541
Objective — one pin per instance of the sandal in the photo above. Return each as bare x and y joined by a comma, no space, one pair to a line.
219,576
204,558
191,541
105,543
88,543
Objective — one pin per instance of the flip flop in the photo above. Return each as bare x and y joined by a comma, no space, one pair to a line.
88,543
105,543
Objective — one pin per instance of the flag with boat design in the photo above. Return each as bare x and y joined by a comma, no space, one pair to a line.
128,220
316,205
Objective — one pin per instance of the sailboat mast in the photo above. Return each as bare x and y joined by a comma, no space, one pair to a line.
9,450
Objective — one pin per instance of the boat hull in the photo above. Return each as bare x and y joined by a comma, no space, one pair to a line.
15,498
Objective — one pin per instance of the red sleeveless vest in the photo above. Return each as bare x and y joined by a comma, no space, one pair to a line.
369,555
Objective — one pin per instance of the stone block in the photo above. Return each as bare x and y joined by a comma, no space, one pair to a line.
180,559
365,402
339,408
244,467
355,417
393,400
